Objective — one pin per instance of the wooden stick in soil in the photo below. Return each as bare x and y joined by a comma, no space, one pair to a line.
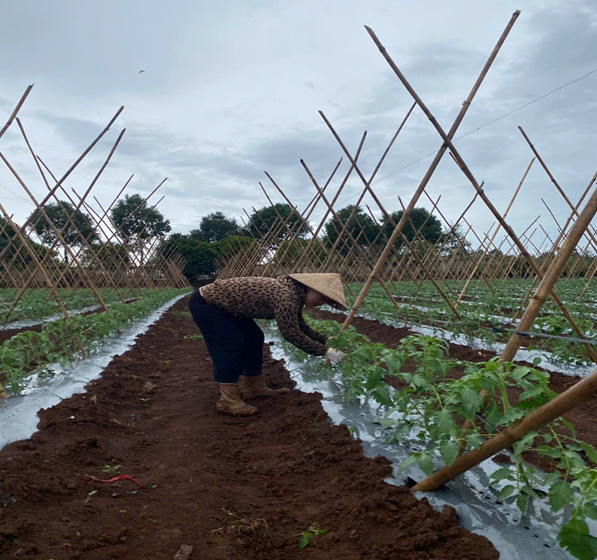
322,196
373,174
558,239
327,212
64,177
53,190
34,258
447,138
435,162
297,226
575,396
69,218
556,184
552,409
496,231
58,234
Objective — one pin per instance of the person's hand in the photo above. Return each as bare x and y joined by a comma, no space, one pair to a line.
335,356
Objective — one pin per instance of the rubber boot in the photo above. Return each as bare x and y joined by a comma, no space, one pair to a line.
255,386
231,403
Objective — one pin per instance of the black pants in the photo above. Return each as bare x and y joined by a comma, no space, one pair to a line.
234,344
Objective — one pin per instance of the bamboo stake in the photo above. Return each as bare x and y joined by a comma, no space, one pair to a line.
16,110
557,406
436,160
70,170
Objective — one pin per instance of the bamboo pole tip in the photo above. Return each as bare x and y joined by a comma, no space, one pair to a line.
516,13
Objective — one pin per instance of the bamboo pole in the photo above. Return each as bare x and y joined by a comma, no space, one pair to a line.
64,177
554,408
463,166
572,397
16,110
436,160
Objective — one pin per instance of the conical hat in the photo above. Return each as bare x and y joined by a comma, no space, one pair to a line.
328,284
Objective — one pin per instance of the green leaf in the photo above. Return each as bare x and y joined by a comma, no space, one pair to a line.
382,395
386,423
426,464
560,494
406,463
494,416
521,502
590,451
590,510
575,538
444,421
449,451
570,427
502,474
549,451
474,440
506,491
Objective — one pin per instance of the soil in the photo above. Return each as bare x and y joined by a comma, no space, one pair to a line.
583,417
231,488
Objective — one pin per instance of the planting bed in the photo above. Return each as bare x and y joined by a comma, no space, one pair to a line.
584,418
228,487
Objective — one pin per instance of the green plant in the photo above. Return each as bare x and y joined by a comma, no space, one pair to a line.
89,495
448,414
109,469
309,534
194,337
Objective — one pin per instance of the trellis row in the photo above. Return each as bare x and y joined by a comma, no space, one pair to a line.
544,258
135,266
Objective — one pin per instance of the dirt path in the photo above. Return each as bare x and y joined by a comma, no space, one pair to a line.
208,480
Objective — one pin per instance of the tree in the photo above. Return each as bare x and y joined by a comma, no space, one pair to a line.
141,224
106,254
429,227
456,243
361,226
264,219
7,233
229,246
200,257
39,225
214,227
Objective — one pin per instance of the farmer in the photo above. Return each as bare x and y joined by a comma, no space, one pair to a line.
224,312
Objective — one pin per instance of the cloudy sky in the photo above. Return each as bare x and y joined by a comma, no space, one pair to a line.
232,89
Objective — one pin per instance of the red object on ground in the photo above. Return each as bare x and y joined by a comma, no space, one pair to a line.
122,477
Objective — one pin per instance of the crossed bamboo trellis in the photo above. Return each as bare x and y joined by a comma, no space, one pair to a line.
501,254
109,263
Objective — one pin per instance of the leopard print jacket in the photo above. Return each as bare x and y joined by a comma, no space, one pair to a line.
279,298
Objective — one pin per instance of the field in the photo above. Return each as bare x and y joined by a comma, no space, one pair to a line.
452,417
229,487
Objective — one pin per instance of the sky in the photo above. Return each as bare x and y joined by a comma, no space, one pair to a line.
216,93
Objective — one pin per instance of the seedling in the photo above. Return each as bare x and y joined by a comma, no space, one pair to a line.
194,337
109,469
88,498
311,533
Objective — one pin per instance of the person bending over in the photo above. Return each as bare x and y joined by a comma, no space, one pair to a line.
224,312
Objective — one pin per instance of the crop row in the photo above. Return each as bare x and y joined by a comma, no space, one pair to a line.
39,303
447,415
65,339
478,320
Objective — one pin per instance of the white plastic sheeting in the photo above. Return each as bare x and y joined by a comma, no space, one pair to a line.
18,414
516,537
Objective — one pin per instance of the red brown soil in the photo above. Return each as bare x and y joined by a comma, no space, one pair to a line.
583,417
208,480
